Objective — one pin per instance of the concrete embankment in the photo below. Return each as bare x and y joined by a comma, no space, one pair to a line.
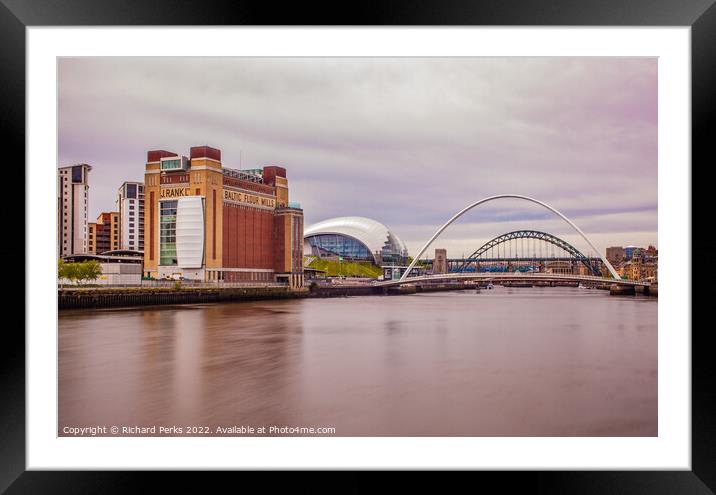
343,291
631,290
94,298
621,290
115,298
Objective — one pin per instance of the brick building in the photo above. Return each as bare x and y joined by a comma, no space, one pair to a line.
204,221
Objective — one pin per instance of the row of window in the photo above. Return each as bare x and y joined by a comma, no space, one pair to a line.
341,246
167,232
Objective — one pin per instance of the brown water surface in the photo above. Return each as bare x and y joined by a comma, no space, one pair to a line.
504,362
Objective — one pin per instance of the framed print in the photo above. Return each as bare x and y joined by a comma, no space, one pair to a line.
427,240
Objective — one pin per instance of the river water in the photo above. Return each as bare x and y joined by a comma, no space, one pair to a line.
504,362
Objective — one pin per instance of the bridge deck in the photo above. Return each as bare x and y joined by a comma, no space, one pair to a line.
512,277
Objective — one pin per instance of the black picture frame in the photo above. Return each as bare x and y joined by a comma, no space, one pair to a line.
700,15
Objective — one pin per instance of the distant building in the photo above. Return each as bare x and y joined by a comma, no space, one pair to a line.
118,267
103,235
564,267
440,261
629,252
649,271
130,205
637,270
72,187
615,254
580,269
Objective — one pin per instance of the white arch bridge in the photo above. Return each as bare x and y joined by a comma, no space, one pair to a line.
551,277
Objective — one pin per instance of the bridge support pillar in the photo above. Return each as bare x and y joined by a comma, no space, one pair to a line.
621,290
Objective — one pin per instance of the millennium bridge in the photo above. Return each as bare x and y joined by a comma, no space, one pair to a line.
516,277
515,263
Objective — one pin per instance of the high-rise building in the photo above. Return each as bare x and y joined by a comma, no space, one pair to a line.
72,204
207,222
104,233
130,205
615,254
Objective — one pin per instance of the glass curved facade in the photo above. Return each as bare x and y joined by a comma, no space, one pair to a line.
356,238
341,245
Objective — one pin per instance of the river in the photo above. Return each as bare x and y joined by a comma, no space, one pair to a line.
502,362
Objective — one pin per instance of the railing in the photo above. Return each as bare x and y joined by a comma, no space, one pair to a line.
251,176
170,284
515,275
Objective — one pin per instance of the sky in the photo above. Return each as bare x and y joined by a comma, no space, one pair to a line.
406,141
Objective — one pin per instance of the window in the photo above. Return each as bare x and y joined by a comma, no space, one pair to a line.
341,245
131,207
171,164
167,232
131,231
77,174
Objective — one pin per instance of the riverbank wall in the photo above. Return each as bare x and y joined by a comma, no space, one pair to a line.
127,297
96,298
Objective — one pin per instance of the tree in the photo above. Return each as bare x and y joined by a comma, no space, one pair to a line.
88,270
61,270
79,272
67,271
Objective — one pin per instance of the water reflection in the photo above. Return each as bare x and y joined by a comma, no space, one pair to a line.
525,362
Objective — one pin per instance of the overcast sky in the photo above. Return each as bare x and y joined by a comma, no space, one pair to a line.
406,141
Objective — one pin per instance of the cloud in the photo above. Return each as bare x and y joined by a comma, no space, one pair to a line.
407,141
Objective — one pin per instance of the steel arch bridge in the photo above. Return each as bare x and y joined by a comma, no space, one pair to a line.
488,199
531,234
